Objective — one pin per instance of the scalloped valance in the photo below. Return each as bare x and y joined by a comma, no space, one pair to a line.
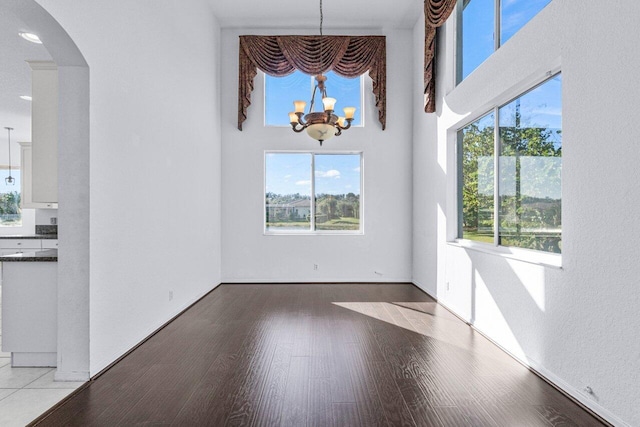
436,12
348,56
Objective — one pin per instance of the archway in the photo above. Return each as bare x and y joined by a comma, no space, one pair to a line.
73,187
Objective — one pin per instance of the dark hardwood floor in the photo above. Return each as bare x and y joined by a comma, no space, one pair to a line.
318,355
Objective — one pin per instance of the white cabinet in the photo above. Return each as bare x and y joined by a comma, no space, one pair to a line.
26,196
29,312
49,243
44,131
18,246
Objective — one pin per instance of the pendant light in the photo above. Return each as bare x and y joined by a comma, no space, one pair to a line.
9,180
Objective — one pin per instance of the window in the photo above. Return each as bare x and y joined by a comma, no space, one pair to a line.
10,211
478,22
280,92
317,193
525,200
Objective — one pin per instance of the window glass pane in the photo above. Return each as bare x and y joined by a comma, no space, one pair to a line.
280,92
288,191
348,93
10,212
337,185
477,33
515,13
476,143
531,169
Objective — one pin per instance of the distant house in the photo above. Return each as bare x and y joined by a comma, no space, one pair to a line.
297,210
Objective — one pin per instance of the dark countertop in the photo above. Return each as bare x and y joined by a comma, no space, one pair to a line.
50,255
29,236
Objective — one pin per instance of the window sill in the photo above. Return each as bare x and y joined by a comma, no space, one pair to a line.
525,255
309,233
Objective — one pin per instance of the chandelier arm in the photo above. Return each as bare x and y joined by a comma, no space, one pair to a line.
302,122
344,127
296,129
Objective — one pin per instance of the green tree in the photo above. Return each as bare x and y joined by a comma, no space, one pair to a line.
10,207
477,173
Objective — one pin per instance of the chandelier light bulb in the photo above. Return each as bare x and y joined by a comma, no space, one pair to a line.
329,103
299,106
349,112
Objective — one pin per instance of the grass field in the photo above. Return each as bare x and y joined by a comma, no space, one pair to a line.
339,224
474,235
345,223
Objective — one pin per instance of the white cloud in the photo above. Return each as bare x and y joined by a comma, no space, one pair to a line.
328,174
303,182
356,169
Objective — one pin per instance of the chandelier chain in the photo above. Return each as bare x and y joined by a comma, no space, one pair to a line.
321,17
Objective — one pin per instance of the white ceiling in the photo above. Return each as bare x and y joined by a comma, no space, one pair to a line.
338,14
15,80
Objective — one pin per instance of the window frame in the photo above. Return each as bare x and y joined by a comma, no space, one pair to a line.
264,101
454,230
497,26
311,231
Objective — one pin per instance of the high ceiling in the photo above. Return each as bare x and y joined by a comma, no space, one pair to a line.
338,14
15,80
15,74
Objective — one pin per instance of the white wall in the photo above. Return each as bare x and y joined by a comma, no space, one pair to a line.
385,247
155,162
578,324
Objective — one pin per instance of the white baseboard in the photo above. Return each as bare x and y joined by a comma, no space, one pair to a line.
566,388
72,376
424,289
575,393
97,366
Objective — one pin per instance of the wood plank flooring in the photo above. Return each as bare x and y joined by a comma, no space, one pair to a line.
318,355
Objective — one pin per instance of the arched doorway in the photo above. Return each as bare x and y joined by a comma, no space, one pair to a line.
73,187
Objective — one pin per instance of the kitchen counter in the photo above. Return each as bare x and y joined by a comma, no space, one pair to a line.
47,255
29,236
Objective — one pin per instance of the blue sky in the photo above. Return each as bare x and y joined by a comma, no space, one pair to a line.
282,91
540,107
290,173
478,27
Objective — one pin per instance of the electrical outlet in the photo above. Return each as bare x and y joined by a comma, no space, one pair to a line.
170,295
315,266
53,220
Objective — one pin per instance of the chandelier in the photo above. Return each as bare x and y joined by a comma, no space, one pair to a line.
320,125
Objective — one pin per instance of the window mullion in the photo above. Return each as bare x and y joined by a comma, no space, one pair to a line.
496,28
313,193
496,178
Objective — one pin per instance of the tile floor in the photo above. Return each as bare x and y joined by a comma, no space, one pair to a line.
25,393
